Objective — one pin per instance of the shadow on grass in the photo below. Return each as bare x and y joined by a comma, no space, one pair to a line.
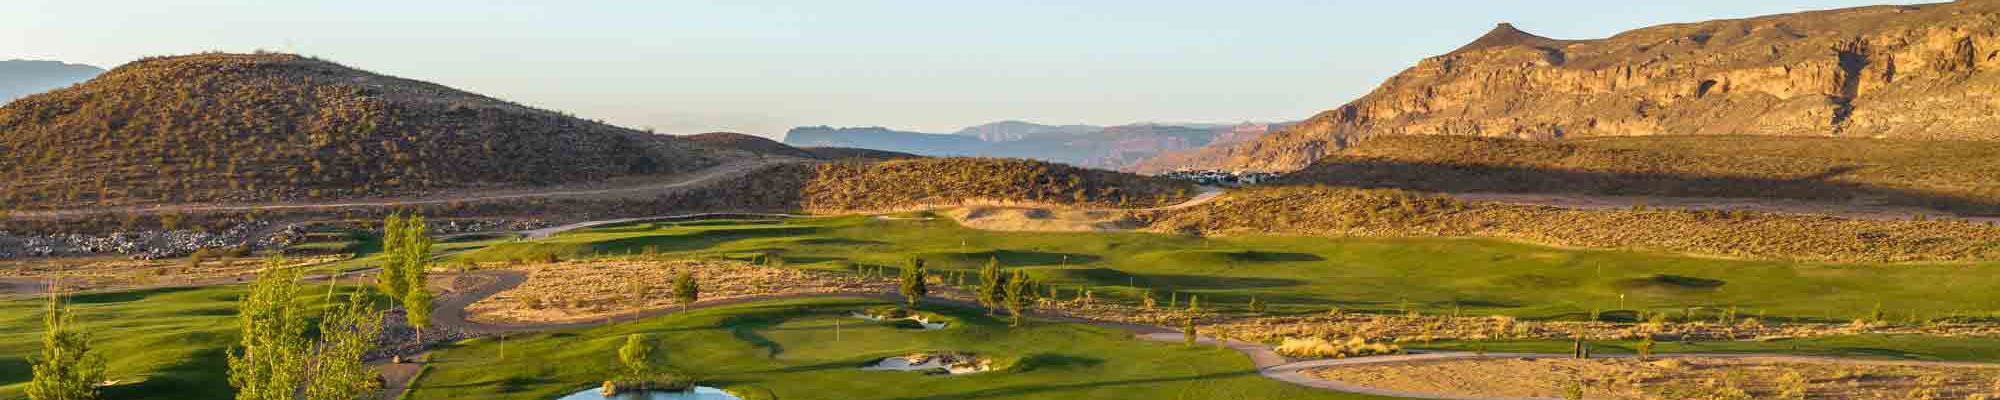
1461,177
126,296
1055,361
1026,390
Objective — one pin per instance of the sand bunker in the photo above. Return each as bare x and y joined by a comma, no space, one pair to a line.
1043,219
934,363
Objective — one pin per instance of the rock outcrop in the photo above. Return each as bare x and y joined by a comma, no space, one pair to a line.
1909,72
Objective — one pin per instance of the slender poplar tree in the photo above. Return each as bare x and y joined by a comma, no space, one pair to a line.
391,280
914,287
1018,292
66,370
992,292
270,362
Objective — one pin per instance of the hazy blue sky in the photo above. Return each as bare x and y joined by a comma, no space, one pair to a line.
761,66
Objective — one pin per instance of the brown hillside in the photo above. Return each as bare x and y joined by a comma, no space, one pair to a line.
1347,212
750,143
901,184
1953,175
267,127
842,153
1909,72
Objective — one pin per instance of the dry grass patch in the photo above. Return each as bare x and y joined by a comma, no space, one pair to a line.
586,290
1673,379
102,273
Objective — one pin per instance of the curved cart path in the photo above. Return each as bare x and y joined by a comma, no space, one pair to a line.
450,313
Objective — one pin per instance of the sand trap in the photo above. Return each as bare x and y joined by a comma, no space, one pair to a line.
919,319
698,393
1043,219
934,363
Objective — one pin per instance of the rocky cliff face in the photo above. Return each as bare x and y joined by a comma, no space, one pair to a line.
1911,72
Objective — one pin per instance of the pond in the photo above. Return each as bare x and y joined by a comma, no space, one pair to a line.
699,393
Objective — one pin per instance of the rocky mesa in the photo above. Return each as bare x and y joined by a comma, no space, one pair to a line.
1906,72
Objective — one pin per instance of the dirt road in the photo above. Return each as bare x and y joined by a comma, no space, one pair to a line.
732,170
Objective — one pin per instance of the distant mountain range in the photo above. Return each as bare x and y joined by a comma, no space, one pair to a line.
1106,147
20,78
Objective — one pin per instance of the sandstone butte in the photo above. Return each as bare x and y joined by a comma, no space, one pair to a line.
1927,72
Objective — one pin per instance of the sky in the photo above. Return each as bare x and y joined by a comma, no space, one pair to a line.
764,66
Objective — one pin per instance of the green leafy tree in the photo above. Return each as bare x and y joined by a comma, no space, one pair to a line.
1645,348
1018,292
1187,332
66,370
686,291
1194,303
416,256
637,354
347,333
1256,307
391,280
270,362
913,284
418,307
992,292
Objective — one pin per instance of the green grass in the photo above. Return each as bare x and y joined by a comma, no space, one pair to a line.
1306,275
791,350
161,344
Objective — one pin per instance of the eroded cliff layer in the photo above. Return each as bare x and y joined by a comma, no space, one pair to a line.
1908,72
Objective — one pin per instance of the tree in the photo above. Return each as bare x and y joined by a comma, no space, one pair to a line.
416,256
391,279
913,286
347,332
637,354
1256,307
992,293
1194,303
270,362
1188,333
418,305
1018,292
686,292
66,370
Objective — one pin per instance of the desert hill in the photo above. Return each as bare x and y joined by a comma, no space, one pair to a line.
749,143
25,77
270,127
843,153
1923,72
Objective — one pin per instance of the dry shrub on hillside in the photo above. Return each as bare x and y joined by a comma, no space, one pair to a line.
1961,176
909,183
264,127
1331,211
